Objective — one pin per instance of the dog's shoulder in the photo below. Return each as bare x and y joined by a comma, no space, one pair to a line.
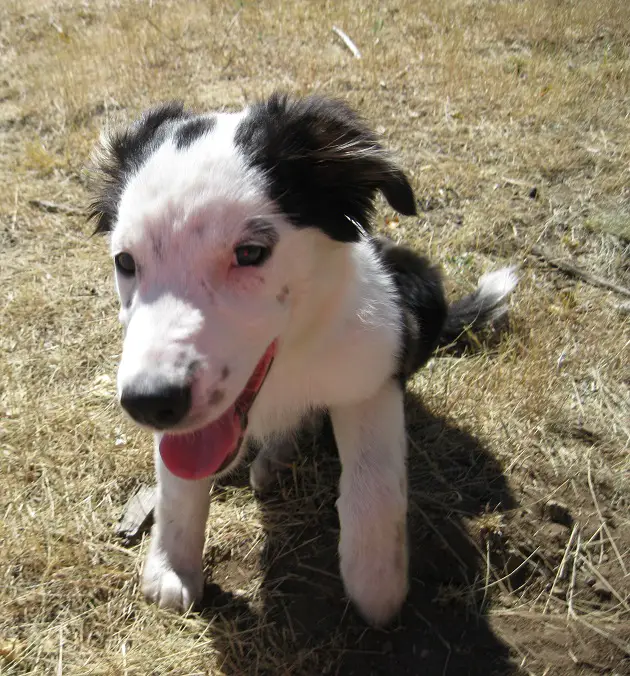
350,351
422,301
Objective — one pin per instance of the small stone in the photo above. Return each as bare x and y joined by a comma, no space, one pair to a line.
602,590
590,581
560,592
533,193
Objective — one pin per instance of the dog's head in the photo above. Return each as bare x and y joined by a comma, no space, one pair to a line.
218,224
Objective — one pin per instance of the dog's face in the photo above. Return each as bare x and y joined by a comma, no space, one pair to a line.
203,266
218,225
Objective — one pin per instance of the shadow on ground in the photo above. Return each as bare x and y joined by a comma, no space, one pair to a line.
305,625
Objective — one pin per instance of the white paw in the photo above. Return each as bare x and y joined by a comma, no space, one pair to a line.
375,579
175,590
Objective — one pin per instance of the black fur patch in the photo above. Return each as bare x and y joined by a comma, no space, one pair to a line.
123,153
192,130
423,303
323,164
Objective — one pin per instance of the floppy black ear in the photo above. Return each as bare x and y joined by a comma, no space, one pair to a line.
323,164
121,153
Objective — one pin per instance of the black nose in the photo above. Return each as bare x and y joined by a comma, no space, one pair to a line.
160,405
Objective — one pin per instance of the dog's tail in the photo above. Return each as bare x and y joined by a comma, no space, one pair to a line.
486,305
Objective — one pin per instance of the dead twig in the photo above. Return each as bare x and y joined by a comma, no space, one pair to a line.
54,208
138,514
347,42
570,610
603,520
574,271
561,568
176,41
622,645
622,601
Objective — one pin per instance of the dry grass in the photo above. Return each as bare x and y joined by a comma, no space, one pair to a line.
483,101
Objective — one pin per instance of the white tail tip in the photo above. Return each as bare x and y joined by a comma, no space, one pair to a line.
499,284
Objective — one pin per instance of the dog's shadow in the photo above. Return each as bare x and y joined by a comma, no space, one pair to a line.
306,626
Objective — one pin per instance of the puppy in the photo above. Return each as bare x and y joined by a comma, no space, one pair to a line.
252,297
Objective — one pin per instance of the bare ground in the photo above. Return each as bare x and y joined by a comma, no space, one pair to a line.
511,118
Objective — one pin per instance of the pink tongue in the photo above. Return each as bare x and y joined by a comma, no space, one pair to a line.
201,453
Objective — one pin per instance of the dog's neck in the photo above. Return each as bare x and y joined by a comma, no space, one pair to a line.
328,293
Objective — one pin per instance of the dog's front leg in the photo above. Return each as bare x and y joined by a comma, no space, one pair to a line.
173,570
372,502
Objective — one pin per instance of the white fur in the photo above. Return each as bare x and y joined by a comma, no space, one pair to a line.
495,287
339,316
373,501
173,574
333,310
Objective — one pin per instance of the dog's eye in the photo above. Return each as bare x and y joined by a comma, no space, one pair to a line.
125,264
250,254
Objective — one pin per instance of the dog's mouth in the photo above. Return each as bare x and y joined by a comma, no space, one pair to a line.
210,449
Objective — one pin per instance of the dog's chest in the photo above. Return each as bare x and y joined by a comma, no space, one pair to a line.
337,373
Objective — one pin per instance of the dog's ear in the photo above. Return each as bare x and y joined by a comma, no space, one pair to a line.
121,153
323,164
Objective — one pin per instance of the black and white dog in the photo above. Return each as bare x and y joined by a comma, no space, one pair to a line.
253,297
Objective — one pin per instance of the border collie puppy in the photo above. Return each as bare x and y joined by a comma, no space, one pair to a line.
252,296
